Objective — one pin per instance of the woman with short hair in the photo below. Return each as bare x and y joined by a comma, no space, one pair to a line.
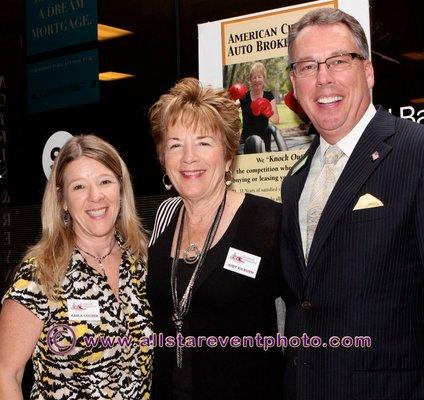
212,269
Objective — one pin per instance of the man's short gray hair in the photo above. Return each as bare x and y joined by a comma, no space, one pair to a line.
329,16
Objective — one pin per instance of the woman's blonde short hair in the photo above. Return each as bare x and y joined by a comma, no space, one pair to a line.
53,252
199,107
258,68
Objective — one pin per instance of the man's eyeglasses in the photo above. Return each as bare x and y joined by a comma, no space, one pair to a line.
337,63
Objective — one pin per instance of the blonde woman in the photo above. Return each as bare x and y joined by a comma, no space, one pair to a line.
84,281
258,107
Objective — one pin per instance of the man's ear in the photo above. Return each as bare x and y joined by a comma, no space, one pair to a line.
369,73
293,81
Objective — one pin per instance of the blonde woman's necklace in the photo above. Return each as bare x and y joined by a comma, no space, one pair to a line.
100,259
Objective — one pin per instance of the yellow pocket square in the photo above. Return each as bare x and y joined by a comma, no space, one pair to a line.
367,201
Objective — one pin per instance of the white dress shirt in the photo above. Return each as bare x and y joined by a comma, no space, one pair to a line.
346,144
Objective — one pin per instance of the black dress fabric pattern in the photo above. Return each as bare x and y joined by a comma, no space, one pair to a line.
120,367
224,303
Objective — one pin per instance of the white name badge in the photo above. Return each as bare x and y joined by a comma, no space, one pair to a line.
83,310
242,263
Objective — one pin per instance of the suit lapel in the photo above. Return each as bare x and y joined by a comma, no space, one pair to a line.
358,169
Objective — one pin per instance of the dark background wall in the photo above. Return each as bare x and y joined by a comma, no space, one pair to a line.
162,50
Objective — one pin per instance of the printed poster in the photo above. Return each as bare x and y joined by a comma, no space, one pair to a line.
227,51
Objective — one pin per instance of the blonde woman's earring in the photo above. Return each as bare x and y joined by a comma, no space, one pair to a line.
66,219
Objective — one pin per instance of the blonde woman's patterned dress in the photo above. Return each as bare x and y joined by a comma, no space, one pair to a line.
104,355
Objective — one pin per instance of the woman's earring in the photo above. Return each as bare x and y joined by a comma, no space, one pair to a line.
168,186
228,178
66,219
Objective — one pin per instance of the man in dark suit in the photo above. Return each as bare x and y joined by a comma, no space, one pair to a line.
353,228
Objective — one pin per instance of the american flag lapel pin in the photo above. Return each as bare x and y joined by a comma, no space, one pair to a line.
375,155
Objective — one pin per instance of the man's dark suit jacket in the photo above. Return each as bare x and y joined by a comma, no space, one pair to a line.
365,273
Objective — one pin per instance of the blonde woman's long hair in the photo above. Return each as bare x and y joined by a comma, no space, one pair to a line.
52,254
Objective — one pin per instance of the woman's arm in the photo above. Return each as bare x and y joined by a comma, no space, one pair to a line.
275,118
19,332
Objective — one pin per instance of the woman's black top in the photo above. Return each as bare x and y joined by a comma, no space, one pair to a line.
253,125
224,303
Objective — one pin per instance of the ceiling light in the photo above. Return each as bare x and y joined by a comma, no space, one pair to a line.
107,32
113,76
415,55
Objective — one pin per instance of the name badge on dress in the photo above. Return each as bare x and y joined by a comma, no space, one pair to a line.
83,310
242,263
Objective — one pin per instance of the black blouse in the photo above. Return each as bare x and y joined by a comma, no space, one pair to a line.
224,303
254,125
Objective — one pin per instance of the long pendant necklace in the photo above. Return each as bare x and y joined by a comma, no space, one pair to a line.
181,307
191,254
99,259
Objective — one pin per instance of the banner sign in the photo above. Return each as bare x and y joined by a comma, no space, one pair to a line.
263,36
54,24
262,173
227,51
